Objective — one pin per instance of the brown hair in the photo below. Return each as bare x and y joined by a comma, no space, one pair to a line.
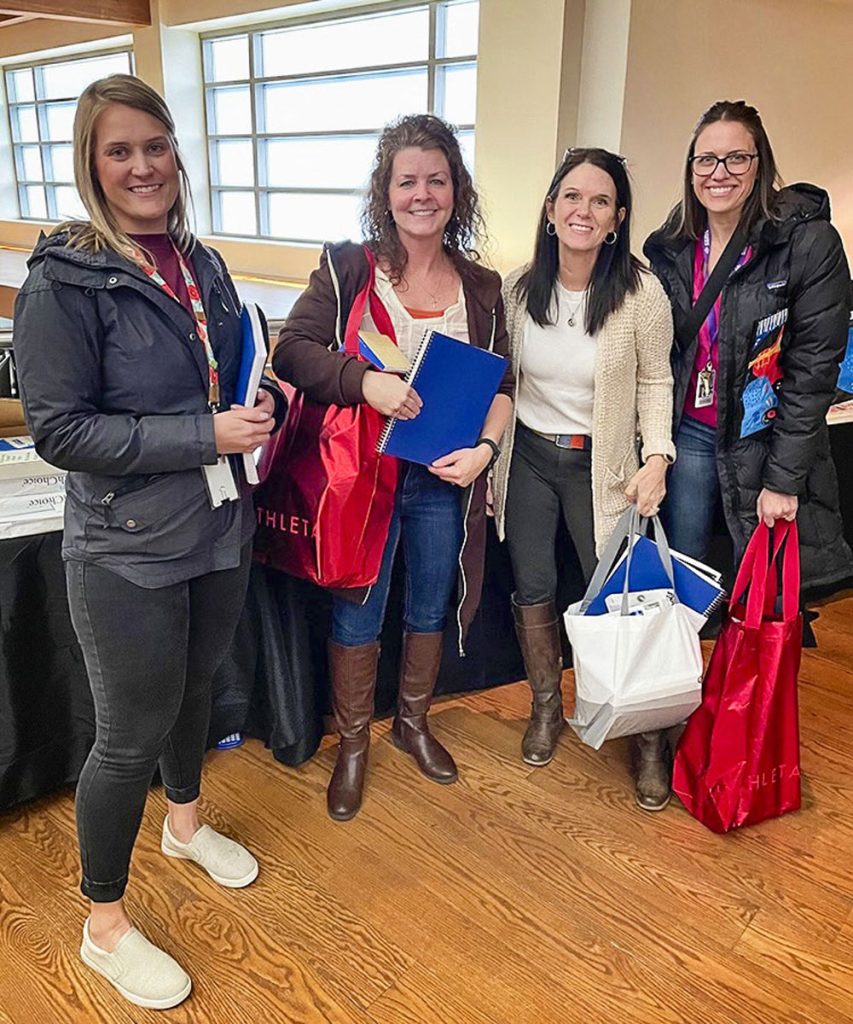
102,230
692,218
465,227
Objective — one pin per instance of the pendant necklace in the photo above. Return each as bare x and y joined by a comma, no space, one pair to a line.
574,309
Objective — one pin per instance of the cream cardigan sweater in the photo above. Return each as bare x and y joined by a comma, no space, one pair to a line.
633,396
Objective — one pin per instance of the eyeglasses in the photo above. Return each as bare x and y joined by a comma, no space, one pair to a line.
704,165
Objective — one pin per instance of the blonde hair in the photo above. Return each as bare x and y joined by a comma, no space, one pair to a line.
102,230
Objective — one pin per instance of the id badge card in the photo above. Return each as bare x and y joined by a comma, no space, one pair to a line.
705,384
220,482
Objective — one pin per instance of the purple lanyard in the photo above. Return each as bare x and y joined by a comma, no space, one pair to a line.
712,322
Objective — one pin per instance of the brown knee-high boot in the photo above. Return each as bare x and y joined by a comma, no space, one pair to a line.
539,636
654,770
353,671
410,732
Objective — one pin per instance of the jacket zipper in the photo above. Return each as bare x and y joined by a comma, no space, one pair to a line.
221,297
465,524
336,285
134,485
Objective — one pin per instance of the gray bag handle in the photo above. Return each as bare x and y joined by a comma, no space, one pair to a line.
631,522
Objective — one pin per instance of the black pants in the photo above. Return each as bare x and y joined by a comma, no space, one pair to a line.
546,482
151,656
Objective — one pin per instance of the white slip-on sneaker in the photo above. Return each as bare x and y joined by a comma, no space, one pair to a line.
227,862
142,972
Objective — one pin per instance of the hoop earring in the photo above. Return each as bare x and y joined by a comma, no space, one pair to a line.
610,241
551,228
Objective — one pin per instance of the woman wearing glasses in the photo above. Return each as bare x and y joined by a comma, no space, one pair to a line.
754,382
590,335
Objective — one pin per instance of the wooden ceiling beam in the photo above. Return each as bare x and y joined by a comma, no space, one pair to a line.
116,12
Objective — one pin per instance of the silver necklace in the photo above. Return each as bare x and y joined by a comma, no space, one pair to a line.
570,320
574,308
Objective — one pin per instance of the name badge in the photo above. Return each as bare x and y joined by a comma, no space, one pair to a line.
705,385
220,482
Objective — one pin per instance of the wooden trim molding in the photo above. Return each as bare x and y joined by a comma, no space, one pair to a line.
117,12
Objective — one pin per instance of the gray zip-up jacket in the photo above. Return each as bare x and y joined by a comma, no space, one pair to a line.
114,383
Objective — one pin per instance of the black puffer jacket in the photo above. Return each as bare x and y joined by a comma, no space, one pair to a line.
799,272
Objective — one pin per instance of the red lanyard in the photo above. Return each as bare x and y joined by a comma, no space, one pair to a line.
198,315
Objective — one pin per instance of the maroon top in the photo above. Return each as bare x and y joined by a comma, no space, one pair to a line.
161,248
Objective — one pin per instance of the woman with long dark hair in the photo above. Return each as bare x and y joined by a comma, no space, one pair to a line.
590,334
127,336
753,382
421,224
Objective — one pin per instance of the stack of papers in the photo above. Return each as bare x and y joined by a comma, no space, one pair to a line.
32,492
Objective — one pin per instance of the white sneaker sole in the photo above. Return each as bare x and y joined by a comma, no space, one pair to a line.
228,883
151,1004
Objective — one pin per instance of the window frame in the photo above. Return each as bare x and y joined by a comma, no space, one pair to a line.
43,142
255,83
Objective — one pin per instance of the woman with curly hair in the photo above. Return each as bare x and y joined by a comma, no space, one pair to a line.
420,220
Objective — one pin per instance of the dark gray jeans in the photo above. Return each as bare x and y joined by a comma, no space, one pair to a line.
545,483
151,656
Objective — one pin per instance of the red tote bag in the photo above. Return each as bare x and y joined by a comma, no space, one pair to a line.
738,761
326,497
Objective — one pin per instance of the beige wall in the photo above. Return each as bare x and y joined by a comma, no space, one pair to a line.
519,75
791,59
632,75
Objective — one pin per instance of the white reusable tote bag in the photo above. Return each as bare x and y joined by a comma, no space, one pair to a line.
633,672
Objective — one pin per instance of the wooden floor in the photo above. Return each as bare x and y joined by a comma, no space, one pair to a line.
517,896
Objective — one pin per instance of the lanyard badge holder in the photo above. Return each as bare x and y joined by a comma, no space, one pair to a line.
732,258
218,477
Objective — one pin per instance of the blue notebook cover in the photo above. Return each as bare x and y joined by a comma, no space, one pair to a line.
457,383
253,354
648,573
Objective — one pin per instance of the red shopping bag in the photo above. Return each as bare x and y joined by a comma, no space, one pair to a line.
326,497
738,761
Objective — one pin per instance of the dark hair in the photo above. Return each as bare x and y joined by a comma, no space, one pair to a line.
465,227
691,218
616,272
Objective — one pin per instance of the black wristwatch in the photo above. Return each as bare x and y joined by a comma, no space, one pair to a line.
496,451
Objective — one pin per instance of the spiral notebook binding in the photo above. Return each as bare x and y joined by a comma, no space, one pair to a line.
410,378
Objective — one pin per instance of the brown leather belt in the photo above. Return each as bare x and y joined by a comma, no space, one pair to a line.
577,442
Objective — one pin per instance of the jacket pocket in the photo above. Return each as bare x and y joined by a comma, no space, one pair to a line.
615,479
166,517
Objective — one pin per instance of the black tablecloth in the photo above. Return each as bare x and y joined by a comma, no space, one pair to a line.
273,683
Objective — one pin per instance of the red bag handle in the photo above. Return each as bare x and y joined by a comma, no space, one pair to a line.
377,310
790,570
758,570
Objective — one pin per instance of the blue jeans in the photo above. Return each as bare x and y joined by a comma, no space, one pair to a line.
693,490
428,517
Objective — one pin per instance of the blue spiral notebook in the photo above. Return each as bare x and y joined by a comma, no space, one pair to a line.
254,349
693,588
457,383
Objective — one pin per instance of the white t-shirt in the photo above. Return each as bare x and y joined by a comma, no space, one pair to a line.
557,370
409,330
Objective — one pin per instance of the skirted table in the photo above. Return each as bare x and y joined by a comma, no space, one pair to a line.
273,684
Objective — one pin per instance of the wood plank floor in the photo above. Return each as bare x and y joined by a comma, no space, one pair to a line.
517,896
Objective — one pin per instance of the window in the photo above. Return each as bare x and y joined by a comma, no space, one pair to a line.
42,100
293,112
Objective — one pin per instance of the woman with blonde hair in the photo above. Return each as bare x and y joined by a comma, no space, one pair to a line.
127,335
